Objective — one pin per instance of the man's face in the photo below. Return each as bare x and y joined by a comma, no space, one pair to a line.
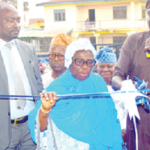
9,24
57,62
106,71
81,72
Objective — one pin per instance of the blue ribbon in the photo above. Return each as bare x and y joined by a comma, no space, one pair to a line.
74,96
141,85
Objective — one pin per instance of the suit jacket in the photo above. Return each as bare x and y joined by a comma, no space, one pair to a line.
29,58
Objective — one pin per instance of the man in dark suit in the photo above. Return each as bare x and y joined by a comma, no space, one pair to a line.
19,75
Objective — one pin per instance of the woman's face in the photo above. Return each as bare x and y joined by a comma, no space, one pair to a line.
78,70
106,71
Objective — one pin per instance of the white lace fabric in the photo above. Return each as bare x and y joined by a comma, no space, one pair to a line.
63,141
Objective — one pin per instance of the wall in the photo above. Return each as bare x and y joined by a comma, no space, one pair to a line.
36,25
70,16
104,16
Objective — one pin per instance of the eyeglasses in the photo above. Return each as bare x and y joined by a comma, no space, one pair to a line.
53,56
81,62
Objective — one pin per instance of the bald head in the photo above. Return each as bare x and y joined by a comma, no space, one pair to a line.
4,5
9,22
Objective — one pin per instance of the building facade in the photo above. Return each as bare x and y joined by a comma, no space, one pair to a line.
102,21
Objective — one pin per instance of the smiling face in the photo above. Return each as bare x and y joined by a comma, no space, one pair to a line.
9,23
57,64
106,71
81,72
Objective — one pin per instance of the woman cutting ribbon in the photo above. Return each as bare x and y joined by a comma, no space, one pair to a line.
76,124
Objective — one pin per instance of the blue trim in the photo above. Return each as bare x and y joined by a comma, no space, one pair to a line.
73,2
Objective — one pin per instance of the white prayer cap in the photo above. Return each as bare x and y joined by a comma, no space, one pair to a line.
81,44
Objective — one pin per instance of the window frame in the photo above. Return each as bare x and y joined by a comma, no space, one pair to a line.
59,15
119,8
119,38
143,12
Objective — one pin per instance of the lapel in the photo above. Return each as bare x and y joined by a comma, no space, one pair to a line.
26,57
3,74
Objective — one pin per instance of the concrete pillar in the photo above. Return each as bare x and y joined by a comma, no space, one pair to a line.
20,8
132,15
97,35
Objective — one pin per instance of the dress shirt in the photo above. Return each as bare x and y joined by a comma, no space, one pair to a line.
5,52
47,79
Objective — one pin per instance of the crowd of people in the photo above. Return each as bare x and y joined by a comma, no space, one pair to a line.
78,107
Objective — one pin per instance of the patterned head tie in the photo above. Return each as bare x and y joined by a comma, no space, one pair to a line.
147,4
61,39
80,44
106,55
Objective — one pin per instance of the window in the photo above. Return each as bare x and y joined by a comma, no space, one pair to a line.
26,5
59,15
120,12
143,12
119,39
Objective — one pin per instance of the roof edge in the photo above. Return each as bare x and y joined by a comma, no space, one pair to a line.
77,2
73,2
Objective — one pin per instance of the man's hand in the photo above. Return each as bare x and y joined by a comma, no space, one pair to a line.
124,135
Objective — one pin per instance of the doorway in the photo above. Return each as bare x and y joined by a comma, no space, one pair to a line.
92,15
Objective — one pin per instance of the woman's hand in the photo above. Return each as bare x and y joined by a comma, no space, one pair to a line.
48,100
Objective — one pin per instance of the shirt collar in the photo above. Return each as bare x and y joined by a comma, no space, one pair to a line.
2,43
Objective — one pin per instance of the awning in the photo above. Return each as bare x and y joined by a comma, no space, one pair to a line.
43,33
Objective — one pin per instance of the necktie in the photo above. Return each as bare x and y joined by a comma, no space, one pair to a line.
19,87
